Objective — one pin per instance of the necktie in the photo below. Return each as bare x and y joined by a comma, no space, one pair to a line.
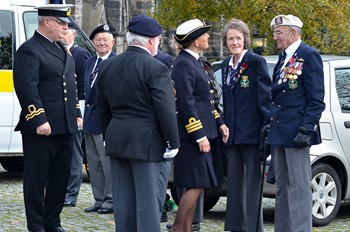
280,66
233,75
95,71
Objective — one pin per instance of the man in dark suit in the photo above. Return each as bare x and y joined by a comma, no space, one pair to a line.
136,106
99,164
297,96
80,55
44,80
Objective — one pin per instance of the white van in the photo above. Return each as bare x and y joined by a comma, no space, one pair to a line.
18,21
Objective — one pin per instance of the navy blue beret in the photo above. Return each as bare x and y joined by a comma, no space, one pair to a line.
146,26
100,29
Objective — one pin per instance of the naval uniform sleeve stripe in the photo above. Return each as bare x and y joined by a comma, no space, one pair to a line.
35,113
193,125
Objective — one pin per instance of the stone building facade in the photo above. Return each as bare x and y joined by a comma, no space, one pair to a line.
117,13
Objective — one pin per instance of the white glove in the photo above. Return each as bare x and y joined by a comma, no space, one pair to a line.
170,153
82,107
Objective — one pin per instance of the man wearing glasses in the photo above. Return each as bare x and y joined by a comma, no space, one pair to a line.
297,103
45,84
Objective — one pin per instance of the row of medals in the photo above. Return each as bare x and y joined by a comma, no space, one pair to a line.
289,73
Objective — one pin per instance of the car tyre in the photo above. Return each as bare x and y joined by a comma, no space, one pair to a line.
326,194
12,164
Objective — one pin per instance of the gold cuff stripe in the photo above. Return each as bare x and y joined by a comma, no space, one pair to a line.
77,106
33,112
193,125
216,114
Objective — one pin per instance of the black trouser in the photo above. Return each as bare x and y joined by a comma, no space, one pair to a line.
47,162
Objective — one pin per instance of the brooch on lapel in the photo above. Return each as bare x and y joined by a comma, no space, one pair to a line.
244,82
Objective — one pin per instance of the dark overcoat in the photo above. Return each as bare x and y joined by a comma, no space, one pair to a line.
136,105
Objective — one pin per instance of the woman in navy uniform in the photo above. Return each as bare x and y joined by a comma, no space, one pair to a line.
45,83
247,104
198,120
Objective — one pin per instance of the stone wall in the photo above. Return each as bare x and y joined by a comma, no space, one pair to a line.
117,13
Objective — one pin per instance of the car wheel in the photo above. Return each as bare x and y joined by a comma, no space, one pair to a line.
12,164
209,202
326,194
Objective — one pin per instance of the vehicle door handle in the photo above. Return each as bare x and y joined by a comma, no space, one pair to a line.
347,124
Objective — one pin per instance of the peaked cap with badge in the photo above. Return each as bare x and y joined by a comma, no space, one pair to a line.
60,11
286,20
191,30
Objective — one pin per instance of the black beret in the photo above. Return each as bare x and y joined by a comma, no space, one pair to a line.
146,26
61,11
191,30
100,29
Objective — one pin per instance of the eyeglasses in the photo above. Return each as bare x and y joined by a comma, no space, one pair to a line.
278,33
58,21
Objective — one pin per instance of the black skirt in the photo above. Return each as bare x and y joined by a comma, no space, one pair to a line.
192,168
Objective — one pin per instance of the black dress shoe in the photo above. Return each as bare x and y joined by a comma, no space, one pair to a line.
68,204
55,229
195,227
92,209
37,230
164,217
104,210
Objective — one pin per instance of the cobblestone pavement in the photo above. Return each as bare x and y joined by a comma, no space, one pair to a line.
74,219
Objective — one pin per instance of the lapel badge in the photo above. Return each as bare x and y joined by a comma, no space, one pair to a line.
244,82
292,84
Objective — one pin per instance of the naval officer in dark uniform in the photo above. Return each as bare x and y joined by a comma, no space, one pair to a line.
198,120
297,105
45,83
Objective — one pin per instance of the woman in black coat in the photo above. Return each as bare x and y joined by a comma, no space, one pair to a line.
198,120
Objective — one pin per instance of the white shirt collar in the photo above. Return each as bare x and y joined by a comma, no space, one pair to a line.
291,50
230,63
104,57
195,55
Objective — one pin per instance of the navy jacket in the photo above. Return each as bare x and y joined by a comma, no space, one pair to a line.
45,83
80,55
165,58
136,106
91,122
247,105
197,116
298,102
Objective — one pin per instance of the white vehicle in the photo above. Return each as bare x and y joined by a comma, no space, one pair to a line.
330,160
18,21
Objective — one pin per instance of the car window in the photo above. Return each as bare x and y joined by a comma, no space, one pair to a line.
6,40
342,79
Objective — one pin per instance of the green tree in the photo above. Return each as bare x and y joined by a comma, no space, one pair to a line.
326,22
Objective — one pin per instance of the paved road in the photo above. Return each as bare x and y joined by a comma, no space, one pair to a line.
12,217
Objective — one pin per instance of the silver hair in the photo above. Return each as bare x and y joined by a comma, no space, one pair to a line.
135,39
41,19
297,29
